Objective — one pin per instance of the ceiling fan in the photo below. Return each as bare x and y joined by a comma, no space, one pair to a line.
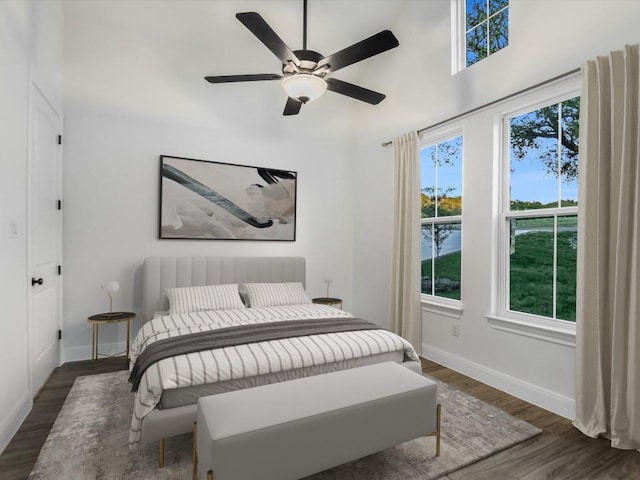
305,72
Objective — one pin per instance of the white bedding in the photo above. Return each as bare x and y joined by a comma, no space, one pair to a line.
244,361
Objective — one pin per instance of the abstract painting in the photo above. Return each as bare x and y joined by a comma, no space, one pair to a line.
208,200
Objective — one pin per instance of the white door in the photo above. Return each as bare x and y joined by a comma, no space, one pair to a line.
44,238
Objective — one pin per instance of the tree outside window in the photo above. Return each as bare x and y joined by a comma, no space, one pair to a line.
441,205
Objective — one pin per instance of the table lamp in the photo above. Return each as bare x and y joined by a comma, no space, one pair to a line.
328,281
111,288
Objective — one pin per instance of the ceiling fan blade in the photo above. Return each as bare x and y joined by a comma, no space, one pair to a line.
375,44
261,29
354,91
292,107
243,78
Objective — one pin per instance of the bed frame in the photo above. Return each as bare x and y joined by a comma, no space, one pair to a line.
160,273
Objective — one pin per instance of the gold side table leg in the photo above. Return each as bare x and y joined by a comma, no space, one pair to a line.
128,340
94,346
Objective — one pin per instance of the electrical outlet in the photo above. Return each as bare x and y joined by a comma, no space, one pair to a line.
13,229
455,330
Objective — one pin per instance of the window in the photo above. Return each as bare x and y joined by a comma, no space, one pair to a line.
539,210
482,28
441,205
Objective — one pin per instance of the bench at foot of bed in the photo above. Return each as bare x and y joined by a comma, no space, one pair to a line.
293,429
160,425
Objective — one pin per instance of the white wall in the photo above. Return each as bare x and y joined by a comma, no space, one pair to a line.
547,38
111,209
30,47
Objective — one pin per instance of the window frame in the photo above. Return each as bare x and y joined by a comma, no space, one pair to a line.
537,326
458,36
443,305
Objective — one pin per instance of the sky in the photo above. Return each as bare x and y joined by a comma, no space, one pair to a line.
528,176
449,173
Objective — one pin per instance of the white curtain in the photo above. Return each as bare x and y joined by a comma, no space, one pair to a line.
404,305
608,310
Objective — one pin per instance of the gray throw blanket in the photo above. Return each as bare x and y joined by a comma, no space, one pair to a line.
242,334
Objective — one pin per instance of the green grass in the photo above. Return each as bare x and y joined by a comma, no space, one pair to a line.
447,266
546,222
531,274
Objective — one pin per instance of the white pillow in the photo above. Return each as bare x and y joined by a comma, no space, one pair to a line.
206,297
276,294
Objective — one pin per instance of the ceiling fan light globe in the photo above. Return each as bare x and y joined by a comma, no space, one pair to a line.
304,87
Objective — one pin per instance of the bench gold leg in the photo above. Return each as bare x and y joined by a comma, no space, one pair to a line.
437,432
195,454
161,453
210,475
438,420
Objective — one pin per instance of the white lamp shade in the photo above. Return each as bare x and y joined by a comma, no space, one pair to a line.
111,287
304,87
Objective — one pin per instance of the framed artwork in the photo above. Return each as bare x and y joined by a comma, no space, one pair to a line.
207,200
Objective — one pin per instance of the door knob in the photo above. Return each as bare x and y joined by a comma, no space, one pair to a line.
38,281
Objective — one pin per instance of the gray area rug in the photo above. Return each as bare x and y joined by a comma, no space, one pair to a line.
89,440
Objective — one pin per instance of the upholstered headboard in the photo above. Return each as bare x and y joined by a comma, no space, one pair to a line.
160,273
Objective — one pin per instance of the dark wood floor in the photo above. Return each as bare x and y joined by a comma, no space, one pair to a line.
559,453
18,458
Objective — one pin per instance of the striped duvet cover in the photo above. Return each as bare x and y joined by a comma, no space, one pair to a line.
252,359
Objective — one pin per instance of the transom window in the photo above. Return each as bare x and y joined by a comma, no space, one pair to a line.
487,28
441,205
539,210
482,28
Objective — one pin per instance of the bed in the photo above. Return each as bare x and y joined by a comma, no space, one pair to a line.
169,387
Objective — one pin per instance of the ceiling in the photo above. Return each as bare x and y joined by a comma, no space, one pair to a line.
148,57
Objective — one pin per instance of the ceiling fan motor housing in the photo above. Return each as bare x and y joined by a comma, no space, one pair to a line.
308,64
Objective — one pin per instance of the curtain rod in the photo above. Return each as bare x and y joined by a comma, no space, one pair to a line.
489,104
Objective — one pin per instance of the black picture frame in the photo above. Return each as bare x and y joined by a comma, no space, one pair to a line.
208,200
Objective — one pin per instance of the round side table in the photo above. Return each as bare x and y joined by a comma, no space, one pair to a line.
102,319
332,302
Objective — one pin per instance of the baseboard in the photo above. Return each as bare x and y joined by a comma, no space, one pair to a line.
84,352
11,425
554,402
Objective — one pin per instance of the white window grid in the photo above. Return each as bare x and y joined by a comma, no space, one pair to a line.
506,215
